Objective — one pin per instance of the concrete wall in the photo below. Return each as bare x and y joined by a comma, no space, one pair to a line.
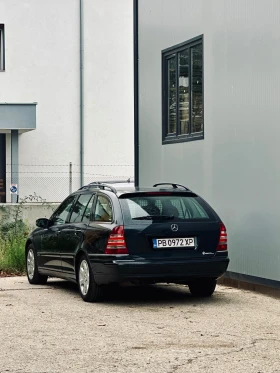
236,166
29,212
42,65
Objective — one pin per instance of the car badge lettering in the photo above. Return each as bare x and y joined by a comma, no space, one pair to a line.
174,227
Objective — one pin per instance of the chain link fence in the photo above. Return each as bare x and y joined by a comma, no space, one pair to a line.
53,183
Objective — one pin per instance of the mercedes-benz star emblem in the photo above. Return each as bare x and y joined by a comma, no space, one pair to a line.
174,227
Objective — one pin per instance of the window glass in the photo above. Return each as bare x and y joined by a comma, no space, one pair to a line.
197,113
176,207
172,99
60,216
184,91
103,210
144,206
87,213
2,47
80,208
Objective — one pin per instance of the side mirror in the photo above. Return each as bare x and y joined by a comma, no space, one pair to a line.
42,223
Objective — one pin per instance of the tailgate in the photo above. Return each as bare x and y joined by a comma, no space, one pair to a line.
169,225
156,240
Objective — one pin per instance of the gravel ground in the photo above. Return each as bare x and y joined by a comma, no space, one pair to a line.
161,329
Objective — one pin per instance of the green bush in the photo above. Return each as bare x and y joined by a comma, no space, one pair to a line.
13,232
12,257
12,244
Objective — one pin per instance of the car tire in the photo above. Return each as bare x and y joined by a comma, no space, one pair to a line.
33,275
90,291
202,287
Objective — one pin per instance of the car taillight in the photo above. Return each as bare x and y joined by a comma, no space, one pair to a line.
116,242
222,246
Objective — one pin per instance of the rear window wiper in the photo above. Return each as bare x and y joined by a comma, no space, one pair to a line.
154,217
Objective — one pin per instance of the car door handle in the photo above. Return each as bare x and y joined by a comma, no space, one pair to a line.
77,231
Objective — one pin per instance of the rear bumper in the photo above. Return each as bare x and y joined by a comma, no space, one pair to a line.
158,271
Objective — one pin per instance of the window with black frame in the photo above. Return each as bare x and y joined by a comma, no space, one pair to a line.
182,96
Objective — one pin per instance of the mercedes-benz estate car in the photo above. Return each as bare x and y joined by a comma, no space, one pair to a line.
102,235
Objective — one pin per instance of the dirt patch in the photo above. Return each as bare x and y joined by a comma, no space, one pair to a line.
11,274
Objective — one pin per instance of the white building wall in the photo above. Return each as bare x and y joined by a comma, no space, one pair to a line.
236,166
42,65
109,121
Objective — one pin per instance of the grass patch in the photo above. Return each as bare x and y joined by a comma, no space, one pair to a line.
13,233
12,246
12,255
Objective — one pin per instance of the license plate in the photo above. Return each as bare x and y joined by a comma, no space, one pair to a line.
173,242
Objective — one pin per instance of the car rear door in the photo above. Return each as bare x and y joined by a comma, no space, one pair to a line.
103,220
72,234
169,225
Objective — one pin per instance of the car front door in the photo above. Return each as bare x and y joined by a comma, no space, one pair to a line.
72,234
48,248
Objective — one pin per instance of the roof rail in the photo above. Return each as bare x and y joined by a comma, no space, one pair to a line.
96,184
175,186
103,185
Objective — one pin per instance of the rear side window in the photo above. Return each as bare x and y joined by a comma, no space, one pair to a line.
175,207
103,210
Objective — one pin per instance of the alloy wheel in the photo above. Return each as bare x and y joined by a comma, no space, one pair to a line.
30,264
84,277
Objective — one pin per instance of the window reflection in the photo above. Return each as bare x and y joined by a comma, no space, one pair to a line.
184,91
103,209
61,214
197,114
80,208
172,105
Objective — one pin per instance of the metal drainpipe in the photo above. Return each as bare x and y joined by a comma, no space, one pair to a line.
136,93
81,94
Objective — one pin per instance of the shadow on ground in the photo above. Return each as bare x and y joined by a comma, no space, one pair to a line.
127,294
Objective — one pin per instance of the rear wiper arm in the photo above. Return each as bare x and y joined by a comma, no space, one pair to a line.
155,217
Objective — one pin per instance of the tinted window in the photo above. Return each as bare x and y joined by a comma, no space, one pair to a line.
176,207
80,207
60,216
103,209
87,213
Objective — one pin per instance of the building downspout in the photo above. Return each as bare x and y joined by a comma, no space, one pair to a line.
136,93
81,93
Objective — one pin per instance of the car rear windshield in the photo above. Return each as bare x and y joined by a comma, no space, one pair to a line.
164,207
